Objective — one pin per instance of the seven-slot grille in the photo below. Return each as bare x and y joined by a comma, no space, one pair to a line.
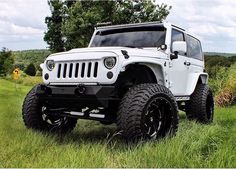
77,70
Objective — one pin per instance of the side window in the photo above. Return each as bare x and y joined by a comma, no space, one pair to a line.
194,48
177,36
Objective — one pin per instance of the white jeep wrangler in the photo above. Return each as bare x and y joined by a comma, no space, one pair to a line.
134,75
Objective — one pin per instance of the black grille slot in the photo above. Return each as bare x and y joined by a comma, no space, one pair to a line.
64,71
95,73
76,69
59,71
82,70
70,71
89,69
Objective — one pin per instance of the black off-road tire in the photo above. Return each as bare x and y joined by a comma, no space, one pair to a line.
106,122
33,116
134,112
201,105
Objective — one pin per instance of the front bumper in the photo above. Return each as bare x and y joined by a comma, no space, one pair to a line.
80,96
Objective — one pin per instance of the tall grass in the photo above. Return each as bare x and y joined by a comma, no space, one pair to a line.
94,145
25,79
227,92
218,82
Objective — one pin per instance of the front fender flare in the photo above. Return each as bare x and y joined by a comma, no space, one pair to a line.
155,66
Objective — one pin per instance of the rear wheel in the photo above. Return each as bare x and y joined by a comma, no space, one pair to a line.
201,105
35,116
147,111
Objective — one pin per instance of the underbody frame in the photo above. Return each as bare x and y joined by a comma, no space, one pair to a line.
79,101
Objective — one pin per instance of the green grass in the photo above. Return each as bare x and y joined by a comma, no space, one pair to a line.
95,145
26,80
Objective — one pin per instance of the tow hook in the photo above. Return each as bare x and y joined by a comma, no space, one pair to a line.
46,89
80,90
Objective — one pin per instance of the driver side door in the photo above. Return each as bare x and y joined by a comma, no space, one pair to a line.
178,71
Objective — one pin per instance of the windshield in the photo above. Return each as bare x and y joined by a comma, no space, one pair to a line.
140,37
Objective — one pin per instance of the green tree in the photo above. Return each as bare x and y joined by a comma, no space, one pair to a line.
53,36
6,62
72,22
8,65
21,66
83,16
30,70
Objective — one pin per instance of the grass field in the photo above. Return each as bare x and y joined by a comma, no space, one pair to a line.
95,145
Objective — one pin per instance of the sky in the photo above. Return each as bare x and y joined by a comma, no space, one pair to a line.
22,23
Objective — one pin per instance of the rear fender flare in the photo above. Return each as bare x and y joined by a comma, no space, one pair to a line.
194,79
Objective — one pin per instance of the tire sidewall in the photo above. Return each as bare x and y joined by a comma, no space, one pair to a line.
197,107
132,108
32,115
169,130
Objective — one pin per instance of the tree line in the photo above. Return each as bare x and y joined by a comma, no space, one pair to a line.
27,61
213,63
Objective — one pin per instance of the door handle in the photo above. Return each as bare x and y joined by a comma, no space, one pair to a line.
187,63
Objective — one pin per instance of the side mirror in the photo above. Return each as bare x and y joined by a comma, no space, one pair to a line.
179,47
174,55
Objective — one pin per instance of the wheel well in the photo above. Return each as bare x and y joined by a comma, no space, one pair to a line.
134,74
199,80
202,79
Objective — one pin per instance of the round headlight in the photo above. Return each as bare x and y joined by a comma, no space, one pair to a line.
110,62
50,64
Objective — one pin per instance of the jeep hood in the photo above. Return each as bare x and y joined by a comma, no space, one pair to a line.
101,52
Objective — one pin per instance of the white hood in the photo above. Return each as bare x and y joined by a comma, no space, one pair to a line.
101,52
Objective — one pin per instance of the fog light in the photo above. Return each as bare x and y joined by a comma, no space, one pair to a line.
109,75
46,76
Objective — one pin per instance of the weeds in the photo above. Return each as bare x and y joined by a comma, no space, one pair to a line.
227,92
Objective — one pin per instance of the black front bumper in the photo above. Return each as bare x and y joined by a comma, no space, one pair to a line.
77,96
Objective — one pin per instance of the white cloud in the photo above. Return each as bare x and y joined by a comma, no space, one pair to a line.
213,21
9,28
25,12
22,23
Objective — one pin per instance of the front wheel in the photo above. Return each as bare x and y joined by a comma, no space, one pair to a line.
201,105
34,116
147,111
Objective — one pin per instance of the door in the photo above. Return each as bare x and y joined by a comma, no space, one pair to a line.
178,71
